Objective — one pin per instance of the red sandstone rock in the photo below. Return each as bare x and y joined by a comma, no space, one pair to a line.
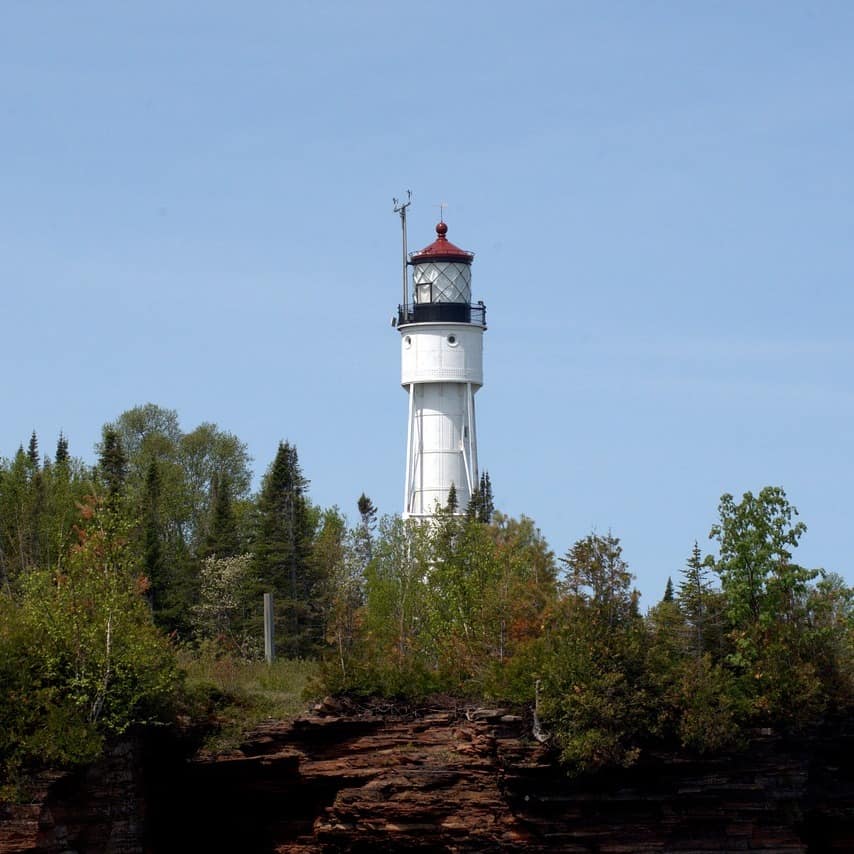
437,780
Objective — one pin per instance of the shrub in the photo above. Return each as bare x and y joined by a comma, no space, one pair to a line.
80,658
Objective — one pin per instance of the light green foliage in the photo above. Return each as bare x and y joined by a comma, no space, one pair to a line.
236,695
397,653
208,452
449,606
340,557
527,581
175,522
756,537
343,556
470,605
188,463
462,592
771,636
593,694
95,627
37,510
488,588
830,606
15,517
84,659
36,722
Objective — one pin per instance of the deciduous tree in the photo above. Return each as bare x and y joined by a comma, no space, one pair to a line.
593,693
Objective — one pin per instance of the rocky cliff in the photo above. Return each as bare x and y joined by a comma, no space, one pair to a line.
445,778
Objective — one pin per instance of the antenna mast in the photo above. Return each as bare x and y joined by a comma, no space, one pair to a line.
400,207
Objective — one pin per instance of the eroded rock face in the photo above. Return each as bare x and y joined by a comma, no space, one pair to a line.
457,779
100,808
450,778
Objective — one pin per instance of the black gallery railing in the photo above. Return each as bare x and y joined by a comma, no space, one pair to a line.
442,312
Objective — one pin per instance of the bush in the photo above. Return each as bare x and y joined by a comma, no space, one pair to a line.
710,706
80,658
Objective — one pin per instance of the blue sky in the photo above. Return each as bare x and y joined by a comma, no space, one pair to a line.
196,211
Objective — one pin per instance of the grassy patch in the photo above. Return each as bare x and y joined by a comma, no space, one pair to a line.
237,695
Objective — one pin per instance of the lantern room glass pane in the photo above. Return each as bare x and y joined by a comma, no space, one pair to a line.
449,281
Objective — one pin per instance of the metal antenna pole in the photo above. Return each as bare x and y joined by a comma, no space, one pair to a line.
400,207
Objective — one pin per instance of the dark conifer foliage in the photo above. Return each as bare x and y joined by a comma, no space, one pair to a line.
61,457
152,540
481,505
695,595
487,504
33,451
113,463
363,535
37,508
223,536
367,512
453,501
470,604
283,551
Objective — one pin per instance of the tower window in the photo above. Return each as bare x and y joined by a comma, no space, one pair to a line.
452,340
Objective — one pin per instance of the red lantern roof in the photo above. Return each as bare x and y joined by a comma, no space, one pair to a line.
441,249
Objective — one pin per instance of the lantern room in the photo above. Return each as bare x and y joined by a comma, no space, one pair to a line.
441,281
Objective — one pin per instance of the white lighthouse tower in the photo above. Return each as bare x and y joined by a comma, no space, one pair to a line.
441,343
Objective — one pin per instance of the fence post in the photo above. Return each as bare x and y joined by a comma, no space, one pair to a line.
269,643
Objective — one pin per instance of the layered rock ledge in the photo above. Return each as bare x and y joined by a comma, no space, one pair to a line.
442,778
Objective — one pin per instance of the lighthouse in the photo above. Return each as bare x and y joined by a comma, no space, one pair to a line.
441,340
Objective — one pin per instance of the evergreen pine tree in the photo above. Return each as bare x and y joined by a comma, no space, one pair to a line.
367,512
668,590
487,505
33,452
61,457
15,517
453,501
113,462
363,536
283,551
481,506
473,507
152,540
694,592
223,539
